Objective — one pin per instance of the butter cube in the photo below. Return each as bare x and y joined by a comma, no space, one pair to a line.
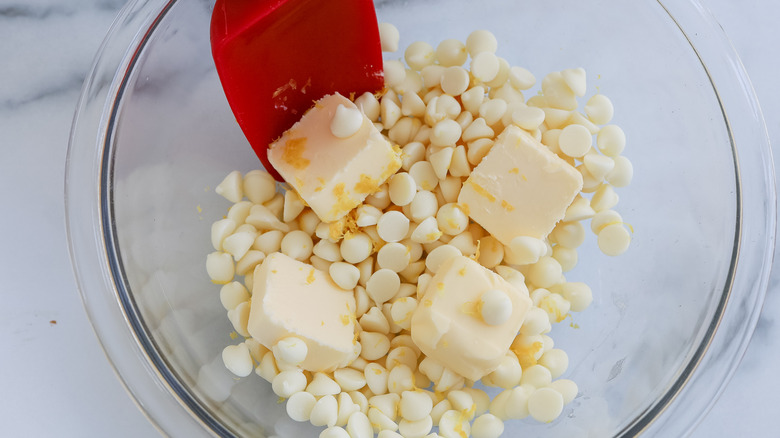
333,175
293,298
520,188
448,327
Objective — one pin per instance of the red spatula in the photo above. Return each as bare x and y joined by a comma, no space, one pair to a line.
276,57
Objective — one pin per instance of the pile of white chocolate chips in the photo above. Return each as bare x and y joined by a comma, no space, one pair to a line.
419,246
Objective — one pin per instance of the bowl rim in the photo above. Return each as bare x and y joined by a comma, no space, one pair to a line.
153,384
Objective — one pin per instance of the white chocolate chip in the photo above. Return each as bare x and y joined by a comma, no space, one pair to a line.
322,385
395,72
445,133
480,41
555,360
575,140
345,275
238,360
356,248
383,285
454,81
359,426
528,118
424,175
611,140
392,226
418,55
451,52
622,174
220,267
288,383
394,256
232,187
521,78
545,404
599,109
402,310
614,239
453,423
389,37
291,350
495,307
487,426
325,412
438,256
575,79
297,244
567,388
299,406
376,378
484,66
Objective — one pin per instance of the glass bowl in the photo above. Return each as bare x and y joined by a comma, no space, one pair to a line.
671,318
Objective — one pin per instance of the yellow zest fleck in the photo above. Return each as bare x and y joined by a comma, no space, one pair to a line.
200,210
233,335
553,310
378,371
481,190
459,426
392,167
322,184
433,236
345,319
336,229
514,170
473,308
462,271
527,355
322,323
452,223
465,208
274,271
476,251
291,84
280,400
343,202
292,153
427,303
507,206
524,177
310,278
469,413
306,86
366,184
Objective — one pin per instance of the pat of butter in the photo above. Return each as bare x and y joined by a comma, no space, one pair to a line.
333,175
520,188
448,327
293,298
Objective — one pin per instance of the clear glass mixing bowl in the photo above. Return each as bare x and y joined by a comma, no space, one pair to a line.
670,320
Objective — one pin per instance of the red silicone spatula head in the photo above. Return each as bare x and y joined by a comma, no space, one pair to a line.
275,57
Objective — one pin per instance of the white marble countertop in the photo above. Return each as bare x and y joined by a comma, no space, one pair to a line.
54,378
